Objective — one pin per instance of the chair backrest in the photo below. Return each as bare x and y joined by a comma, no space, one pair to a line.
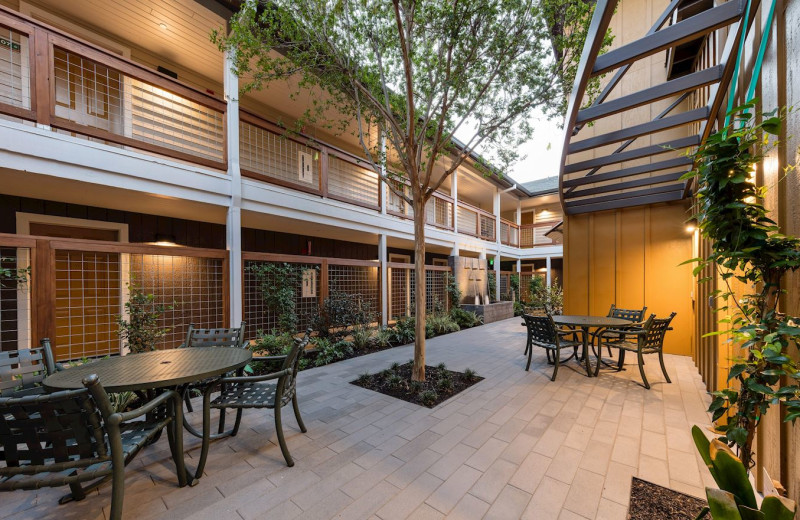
292,361
634,315
233,337
541,328
656,330
55,432
22,371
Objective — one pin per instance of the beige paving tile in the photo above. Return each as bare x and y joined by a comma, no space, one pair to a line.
410,498
566,466
469,508
531,472
510,504
584,493
548,500
493,480
453,489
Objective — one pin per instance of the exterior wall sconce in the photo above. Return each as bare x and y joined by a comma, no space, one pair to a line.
163,239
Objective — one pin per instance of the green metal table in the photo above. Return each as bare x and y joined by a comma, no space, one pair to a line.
589,322
174,368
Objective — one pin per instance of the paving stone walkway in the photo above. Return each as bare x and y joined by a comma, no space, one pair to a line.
516,445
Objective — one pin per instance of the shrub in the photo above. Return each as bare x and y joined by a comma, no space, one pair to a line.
278,285
328,352
551,299
465,319
403,331
361,337
383,338
394,382
470,375
519,309
340,311
394,367
415,386
273,344
514,286
445,385
492,278
453,292
441,366
428,397
441,324
364,378
141,331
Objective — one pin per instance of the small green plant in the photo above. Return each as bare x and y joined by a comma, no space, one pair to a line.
340,311
492,278
141,331
513,282
441,324
441,366
361,338
415,386
383,338
454,294
428,397
403,331
470,375
444,385
550,299
394,382
735,499
273,344
328,352
364,378
465,319
121,400
394,367
12,277
519,308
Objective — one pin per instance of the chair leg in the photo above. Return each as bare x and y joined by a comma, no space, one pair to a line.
556,362
663,368
237,422
528,366
76,493
621,361
281,440
221,428
117,480
188,401
297,414
641,370
175,437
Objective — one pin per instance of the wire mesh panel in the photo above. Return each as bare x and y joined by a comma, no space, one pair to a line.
505,286
96,96
270,154
435,290
397,204
15,304
400,294
526,236
192,289
360,283
306,282
89,295
352,182
15,74
488,231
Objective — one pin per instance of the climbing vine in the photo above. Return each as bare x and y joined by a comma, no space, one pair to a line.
747,247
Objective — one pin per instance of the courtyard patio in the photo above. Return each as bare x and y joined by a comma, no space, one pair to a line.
516,445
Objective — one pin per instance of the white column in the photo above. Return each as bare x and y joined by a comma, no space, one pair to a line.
496,212
497,276
519,212
383,257
233,223
549,271
383,187
454,195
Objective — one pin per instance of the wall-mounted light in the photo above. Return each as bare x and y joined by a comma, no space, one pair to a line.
163,239
691,225
163,26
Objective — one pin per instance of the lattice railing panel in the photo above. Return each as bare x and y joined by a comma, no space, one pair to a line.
439,212
402,284
352,182
15,74
260,317
270,154
467,221
488,230
15,302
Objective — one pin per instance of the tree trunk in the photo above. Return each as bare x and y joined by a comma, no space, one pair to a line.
418,373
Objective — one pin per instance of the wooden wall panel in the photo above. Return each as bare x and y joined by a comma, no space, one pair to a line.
631,257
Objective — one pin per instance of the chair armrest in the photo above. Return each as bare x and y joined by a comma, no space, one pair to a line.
149,406
256,379
268,358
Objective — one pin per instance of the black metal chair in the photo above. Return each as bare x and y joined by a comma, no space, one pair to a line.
22,371
635,316
258,391
648,340
542,332
220,337
73,437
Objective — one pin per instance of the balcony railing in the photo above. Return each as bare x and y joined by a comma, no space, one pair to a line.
532,235
509,233
438,210
476,222
54,79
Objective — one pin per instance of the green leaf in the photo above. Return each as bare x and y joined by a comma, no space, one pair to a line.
736,371
751,514
722,505
731,475
778,508
704,448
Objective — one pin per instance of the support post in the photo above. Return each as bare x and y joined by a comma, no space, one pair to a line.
384,277
549,271
385,192
497,276
233,223
496,212
454,195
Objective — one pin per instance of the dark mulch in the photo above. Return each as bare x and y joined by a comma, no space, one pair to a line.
396,382
650,501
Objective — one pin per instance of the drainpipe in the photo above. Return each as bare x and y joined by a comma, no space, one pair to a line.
454,196
498,243
233,224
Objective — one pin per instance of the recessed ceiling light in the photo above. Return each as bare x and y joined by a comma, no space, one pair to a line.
163,26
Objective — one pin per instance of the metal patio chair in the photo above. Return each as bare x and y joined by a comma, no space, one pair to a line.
274,390
22,371
542,332
219,337
73,437
647,340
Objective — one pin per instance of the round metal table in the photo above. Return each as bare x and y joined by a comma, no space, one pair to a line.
589,322
172,368
156,369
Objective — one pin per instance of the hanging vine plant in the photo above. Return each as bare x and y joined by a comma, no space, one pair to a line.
747,247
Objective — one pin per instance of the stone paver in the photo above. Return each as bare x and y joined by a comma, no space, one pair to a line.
516,445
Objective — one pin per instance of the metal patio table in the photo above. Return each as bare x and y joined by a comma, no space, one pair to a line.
173,368
585,323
